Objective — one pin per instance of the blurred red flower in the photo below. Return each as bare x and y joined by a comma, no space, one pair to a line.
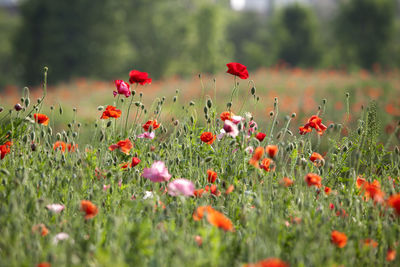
89,208
270,262
136,76
111,112
5,149
41,119
271,150
260,136
313,179
394,202
237,69
211,176
226,115
339,239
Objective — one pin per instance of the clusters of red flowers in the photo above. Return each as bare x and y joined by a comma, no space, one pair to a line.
313,122
111,112
135,161
5,149
214,217
62,146
313,179
370,190
266,163
41,119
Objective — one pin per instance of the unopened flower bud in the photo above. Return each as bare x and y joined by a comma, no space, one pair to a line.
18,107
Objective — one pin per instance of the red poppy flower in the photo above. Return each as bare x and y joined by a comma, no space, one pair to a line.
152,123
135,161
327,190
258,153
41,118
226,115
313,179
230,189
208,137
373,191
72,148
360,181
316,158
198,192
339,239
270,262
124,146
5,149
370,243
271,150
136,76
391,255
266,164
111,112
394,202
123,88
89,208
211,176
213,190
260,136
59,144
286,182
214,217
313,122
44,264
237,69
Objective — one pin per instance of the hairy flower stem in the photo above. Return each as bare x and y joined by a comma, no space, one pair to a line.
129,108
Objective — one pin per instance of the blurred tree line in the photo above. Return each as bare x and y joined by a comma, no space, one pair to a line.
104,39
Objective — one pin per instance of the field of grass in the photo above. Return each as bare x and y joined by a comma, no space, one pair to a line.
273,199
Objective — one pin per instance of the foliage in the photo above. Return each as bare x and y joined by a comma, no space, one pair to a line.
364,29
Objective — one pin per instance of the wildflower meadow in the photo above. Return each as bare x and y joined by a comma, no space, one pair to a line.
229,173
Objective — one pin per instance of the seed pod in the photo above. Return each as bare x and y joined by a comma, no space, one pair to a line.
27,102
209,103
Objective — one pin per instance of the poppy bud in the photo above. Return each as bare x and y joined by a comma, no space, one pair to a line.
324,101
396,150
347,95
177,91
258,98
18,107
32,135
27,102
122,100
174,99
74,134
58,136
208,159
209,103
100,108
42,133
293,115
4,171
109,124
287,118
141,94
253,90
229,104
33,147
25,138
79,125
191,103
74,109
1,109
271,113
206,110
345,149
38,100
61,110
69,125
95,125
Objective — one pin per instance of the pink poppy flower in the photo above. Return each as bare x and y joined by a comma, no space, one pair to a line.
60,237
123,88
181,187
229,128
56,208
147,135
105,187
157,172
236,119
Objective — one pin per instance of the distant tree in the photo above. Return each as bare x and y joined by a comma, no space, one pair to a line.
295,36
364,29
73,38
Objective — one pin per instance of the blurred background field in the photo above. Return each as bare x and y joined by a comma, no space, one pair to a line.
299,51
